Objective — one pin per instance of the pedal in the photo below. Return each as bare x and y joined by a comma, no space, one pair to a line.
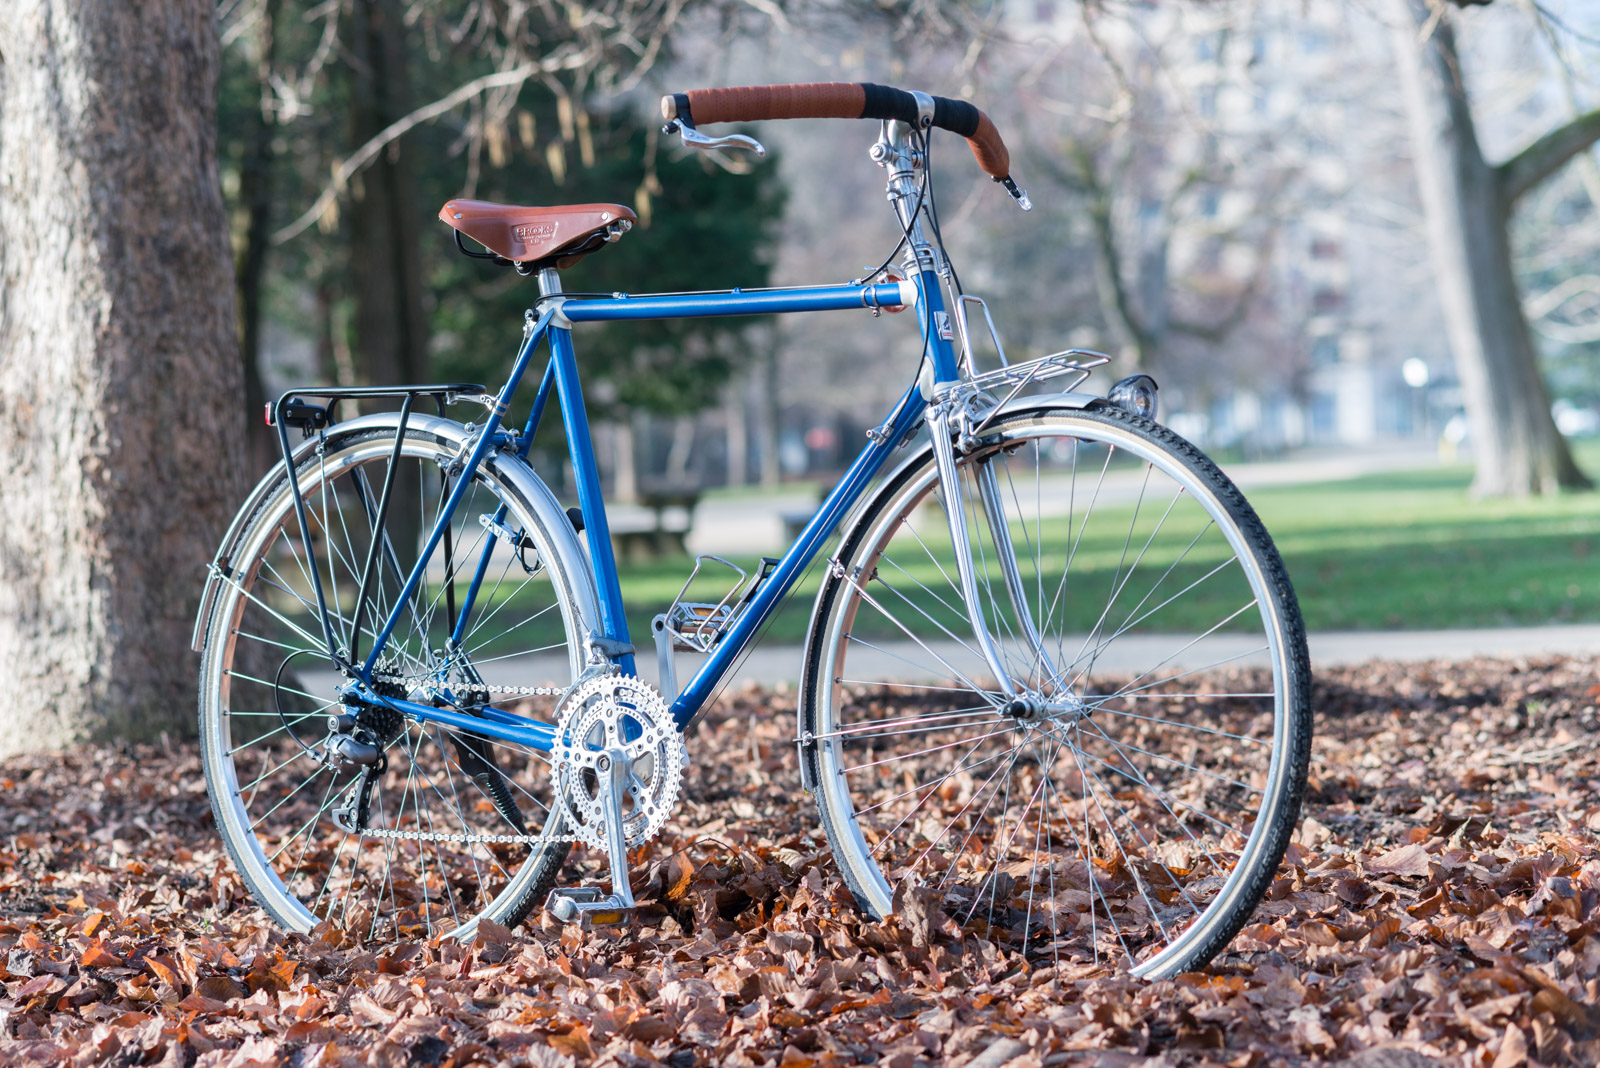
697,627
588,907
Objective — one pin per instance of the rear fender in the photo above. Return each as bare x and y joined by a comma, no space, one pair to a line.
453,435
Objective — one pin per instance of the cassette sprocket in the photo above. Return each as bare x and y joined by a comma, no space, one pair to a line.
604,716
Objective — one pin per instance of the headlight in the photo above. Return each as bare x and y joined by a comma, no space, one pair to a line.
1136,394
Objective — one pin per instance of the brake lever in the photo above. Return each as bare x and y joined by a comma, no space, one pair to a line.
695,139
1019,195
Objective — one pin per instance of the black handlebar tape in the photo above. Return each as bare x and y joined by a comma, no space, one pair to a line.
886,102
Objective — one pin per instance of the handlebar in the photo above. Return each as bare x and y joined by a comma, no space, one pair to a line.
846,100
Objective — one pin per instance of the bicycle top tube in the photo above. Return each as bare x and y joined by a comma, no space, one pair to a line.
739,302
903,150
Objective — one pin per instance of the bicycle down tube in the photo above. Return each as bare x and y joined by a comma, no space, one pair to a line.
561,375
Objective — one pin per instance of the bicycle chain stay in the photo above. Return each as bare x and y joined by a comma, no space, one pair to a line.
471,839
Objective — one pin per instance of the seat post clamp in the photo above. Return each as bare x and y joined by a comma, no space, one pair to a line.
559,318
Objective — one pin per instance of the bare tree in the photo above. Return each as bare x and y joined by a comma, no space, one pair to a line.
255,196
1125,139
119,364
1468,202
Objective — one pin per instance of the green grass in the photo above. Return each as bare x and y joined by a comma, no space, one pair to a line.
1412,550
1408,550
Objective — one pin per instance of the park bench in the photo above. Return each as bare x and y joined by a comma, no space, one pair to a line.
665,532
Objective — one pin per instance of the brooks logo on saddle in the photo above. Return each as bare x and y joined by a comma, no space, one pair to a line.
544,231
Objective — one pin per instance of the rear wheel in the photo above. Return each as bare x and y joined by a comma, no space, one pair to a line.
447,826
1132,799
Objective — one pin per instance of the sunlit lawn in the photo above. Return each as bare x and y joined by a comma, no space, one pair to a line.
1411,550
1404,550
1408,550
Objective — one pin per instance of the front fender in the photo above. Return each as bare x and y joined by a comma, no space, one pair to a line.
919,453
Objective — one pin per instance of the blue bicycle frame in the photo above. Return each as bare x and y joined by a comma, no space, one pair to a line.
554,325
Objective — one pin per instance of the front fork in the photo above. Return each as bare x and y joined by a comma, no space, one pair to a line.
948,414
946,421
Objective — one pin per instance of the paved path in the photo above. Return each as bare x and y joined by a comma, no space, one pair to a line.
775,663
780,663
739,525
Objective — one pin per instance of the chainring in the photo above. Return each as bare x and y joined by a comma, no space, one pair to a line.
617,712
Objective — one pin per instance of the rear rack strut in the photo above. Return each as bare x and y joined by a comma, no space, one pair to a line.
292,410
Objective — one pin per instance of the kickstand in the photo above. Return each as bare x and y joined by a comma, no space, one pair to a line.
585,905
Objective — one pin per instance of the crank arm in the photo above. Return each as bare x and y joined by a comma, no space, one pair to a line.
585,905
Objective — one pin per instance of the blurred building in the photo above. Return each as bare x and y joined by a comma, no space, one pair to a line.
1302,98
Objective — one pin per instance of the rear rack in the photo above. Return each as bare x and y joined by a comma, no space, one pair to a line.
292,410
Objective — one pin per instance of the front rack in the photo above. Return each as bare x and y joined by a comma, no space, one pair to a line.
1018,376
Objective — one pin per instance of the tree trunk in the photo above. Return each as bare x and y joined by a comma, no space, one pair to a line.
255,195
119,364
624,472
391,328
680,451
738,432
1112,289
1516,445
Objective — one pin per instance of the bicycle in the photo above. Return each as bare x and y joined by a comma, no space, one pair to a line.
1055,673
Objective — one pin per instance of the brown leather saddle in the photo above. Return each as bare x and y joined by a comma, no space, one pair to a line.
535,238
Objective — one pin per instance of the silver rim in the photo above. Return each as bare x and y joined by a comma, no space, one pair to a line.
1119,815
427,869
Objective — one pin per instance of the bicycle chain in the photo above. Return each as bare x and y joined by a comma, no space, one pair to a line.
504,691
445,836
490,839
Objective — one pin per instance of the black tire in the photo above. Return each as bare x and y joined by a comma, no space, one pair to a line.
868,805
489,784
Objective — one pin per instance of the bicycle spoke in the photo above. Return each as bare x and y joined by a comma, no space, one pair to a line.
1078,821
422,861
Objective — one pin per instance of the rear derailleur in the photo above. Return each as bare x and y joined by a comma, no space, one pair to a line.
360,739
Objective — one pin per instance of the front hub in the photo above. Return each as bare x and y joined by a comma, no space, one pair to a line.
1024,709
1033,708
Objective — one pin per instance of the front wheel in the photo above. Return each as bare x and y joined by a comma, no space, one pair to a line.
1131,797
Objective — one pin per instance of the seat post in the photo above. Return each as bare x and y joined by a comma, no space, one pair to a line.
549,281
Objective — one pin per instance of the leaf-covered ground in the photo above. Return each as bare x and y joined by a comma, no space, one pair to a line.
1441,906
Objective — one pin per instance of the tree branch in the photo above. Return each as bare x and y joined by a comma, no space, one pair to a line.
1218,332
365,154
1547,155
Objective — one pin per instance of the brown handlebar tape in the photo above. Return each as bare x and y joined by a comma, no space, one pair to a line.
989,149
839,100
813,100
